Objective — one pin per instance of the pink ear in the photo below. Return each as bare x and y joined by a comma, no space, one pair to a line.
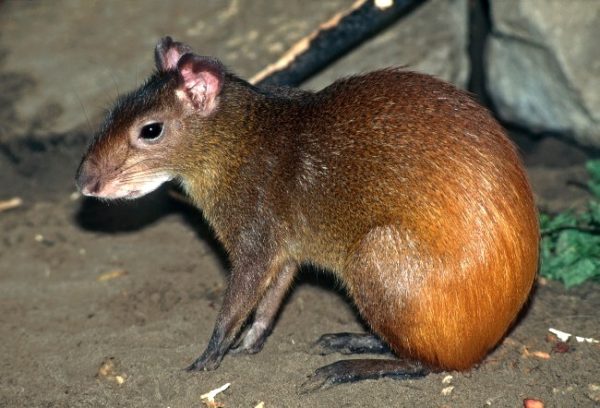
168,52
202,80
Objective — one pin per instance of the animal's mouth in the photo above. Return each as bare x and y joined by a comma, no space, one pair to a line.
112,191
93,183
133,194
100,187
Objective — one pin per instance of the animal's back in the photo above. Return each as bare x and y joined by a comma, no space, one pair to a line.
416,198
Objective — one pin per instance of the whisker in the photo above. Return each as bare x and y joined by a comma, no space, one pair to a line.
145,176
132,176
115,83
134,164
87,118
136,179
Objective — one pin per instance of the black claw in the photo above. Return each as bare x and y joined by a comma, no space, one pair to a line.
322,378
205,363
191,367
313,384
195,366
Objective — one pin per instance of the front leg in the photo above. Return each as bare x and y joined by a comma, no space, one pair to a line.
248,281
253,339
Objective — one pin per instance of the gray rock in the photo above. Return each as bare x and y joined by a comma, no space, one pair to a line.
62,63
432,39
64,60
543,66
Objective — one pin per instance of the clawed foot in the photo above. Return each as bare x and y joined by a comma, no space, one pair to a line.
251,342
347,371
206,362
212,356
350,343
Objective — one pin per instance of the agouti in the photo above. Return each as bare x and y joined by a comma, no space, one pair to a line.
402,186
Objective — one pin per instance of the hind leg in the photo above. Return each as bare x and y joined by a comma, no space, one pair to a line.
348,371
381,275
351,343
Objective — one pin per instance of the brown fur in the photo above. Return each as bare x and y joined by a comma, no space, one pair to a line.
400,184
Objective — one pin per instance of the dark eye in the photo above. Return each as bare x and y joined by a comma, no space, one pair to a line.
151,131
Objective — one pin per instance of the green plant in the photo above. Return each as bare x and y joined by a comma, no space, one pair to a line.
570,247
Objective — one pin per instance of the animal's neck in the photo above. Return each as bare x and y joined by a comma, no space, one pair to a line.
249,131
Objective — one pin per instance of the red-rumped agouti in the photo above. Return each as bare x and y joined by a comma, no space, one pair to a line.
401,185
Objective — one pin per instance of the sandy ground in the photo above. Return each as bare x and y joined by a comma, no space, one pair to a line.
60,322
94,294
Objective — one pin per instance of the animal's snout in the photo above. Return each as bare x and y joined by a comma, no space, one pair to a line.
88,179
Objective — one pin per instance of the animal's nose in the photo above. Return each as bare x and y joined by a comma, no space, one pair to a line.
87,180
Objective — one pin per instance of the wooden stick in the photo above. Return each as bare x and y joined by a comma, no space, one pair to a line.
10,204
331,40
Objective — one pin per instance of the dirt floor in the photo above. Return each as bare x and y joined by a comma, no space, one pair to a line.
95,293
104,304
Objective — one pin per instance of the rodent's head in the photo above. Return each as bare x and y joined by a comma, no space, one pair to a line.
135,150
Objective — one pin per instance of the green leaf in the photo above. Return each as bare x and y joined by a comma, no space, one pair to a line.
570,246
571,256
593,168
565,219
594,211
